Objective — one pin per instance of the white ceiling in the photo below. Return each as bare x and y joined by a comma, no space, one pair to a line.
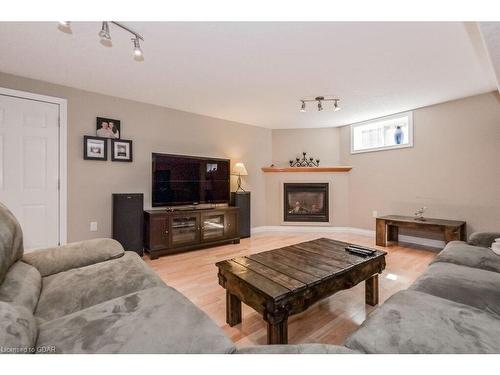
255,73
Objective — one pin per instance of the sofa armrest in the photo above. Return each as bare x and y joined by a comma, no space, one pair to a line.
74,255
483,239
296,349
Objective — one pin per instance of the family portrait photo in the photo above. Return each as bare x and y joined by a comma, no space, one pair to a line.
108,128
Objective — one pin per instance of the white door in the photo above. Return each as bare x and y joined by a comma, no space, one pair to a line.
29,167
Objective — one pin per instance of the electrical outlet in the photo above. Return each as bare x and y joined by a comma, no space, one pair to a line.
374,213
93,226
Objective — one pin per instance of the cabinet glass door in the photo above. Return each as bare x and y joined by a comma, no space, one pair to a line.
212,226
184,230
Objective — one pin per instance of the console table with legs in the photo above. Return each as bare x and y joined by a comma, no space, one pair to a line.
387,228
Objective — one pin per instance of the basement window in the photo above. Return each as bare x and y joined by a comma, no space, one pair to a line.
385,133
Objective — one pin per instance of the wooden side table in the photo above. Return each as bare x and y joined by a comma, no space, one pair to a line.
387,228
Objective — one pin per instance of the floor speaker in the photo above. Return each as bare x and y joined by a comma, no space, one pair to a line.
128,221
241,199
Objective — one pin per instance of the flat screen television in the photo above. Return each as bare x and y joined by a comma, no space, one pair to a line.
185,180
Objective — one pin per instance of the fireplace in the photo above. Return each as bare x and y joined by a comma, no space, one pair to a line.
305,202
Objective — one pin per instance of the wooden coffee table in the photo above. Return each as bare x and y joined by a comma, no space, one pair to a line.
286,281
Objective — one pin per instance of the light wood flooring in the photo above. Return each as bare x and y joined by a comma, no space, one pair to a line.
330,321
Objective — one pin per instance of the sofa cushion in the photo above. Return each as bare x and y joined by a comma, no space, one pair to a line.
296,349
79,288
470,286
415,322
458,252
21,286
155,320
18,330
11,241
77,254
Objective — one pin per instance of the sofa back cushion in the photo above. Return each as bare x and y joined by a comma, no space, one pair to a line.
21,286
11,241
18,330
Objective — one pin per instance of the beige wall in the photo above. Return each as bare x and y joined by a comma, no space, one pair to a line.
453,168
152,129
322,143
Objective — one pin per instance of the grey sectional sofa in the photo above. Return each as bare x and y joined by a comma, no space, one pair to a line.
93,297
454,307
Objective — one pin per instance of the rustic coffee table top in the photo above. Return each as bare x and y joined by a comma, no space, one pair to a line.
286,281
284,271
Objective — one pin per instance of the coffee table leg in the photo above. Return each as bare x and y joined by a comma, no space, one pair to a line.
371,290
233,309
277,330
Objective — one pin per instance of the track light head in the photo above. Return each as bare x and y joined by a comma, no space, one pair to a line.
320,105
336,106
105,35
65,27
138,54
303,106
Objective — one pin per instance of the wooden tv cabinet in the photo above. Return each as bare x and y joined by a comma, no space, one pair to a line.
170,232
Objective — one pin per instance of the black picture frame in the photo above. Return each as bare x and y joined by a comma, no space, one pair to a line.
99,141
108,132
115,152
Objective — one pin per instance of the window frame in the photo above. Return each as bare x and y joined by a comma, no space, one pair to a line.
408,114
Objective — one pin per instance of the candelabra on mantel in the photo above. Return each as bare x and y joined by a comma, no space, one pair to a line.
304,162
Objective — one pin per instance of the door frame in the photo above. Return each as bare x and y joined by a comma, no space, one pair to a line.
63,151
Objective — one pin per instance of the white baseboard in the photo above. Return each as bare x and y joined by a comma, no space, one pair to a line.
362,232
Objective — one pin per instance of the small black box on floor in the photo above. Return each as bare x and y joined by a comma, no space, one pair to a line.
128,221
241,199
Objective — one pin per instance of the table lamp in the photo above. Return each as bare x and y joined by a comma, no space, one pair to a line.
239,170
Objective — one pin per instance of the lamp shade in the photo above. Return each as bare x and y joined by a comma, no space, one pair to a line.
239,169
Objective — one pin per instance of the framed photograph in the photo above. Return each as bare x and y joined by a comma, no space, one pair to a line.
121,150
108,128
95,148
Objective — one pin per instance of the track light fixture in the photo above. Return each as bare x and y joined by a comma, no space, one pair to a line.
65,27
137,48
320,100
105,36
303,106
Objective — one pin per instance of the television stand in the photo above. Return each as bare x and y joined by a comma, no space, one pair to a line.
170,232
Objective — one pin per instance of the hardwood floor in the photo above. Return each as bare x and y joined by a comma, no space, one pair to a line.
330,321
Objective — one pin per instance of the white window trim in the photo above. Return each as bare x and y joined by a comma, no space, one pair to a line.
409,114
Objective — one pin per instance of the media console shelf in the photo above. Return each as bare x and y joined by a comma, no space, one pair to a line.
169,232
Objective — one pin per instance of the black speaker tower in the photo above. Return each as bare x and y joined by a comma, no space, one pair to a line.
128,221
